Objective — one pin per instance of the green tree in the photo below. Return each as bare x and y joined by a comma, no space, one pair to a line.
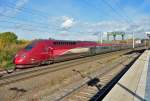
8,37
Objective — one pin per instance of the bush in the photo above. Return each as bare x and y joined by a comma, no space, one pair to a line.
9,45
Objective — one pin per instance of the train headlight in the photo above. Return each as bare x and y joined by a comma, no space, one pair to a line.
23,56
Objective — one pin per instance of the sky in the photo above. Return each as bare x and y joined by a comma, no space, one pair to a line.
74,19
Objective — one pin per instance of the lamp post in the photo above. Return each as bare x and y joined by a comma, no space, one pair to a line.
101,37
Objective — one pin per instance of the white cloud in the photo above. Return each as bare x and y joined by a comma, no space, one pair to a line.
139,27
67,22
21,3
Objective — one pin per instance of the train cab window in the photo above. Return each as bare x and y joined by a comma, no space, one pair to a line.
30,46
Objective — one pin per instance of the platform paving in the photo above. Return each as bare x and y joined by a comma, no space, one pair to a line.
135,83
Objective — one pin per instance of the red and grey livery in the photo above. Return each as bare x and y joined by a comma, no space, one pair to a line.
49,51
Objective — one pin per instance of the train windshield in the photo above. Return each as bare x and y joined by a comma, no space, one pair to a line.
30,46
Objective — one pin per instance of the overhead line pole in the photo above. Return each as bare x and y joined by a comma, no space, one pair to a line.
101,37
133,43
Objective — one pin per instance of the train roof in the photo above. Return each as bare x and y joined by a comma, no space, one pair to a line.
53,40
74,42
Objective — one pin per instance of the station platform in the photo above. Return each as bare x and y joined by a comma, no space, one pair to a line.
135,83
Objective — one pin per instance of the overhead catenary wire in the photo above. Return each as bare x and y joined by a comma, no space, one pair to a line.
25,24
97,9
124,12
118,13
21,28
28,10
23,20
20,21
126,20
43,15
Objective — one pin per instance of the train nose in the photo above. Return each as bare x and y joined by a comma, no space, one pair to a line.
20,59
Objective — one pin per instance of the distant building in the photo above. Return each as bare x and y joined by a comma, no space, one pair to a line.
138,41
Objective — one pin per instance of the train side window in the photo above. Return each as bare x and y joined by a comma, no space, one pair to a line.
55,43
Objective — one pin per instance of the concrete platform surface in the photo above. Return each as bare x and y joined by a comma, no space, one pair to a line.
135,83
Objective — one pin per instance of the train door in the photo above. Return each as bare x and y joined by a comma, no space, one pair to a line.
50,53
44,53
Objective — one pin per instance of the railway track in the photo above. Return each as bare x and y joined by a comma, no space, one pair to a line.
83,91
25,74
22,79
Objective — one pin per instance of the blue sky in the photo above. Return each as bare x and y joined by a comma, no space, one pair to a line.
74,19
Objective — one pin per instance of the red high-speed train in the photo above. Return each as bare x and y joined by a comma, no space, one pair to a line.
49,51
